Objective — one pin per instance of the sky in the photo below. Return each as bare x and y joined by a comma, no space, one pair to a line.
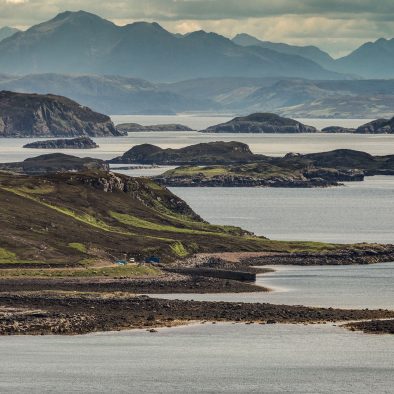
337,26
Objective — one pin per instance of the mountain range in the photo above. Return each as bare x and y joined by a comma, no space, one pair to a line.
80,42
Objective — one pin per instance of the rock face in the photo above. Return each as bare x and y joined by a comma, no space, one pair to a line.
337,129
130,127
205,153
72,143
55,163
34,115
261,123
379,126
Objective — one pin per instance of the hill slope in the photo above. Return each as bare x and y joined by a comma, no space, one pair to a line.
68,218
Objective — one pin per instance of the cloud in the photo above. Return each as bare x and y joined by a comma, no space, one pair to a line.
336,25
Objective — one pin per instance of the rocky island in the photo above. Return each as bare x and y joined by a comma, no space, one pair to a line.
199,154
378,126
261,123
68,143
293,170
55,163
36,115
133,127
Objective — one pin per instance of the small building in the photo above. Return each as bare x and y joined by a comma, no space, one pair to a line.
152,260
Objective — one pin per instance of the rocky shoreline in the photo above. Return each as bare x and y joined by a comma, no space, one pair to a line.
51,313
373,326
37,306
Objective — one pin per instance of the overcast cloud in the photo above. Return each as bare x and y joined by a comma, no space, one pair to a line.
337,26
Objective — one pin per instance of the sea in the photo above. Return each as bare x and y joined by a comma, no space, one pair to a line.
239,358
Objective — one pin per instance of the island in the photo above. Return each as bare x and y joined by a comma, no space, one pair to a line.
338,129
67,143
199,154
234,164
55,163
378,126
36,115
133,127
261,123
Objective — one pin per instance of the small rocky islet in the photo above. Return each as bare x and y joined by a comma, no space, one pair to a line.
135,127
65,143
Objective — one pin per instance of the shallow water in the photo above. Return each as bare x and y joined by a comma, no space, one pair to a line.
201,359
353,286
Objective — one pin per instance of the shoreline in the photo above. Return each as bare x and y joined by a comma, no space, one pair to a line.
71,306
69,314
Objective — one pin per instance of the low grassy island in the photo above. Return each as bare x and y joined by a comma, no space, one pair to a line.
261,123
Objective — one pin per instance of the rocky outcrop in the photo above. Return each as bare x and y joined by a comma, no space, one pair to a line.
34,115
379,126
261,123
337,129
205,153
55,163
308,179
132,127
72,143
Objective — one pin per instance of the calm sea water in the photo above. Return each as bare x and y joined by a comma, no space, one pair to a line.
222,358
367,286
357,212
270,144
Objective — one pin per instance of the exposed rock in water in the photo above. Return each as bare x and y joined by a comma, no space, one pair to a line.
338,129
35,115
54,163
71,143
204,153
379,126
261,123
130,127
